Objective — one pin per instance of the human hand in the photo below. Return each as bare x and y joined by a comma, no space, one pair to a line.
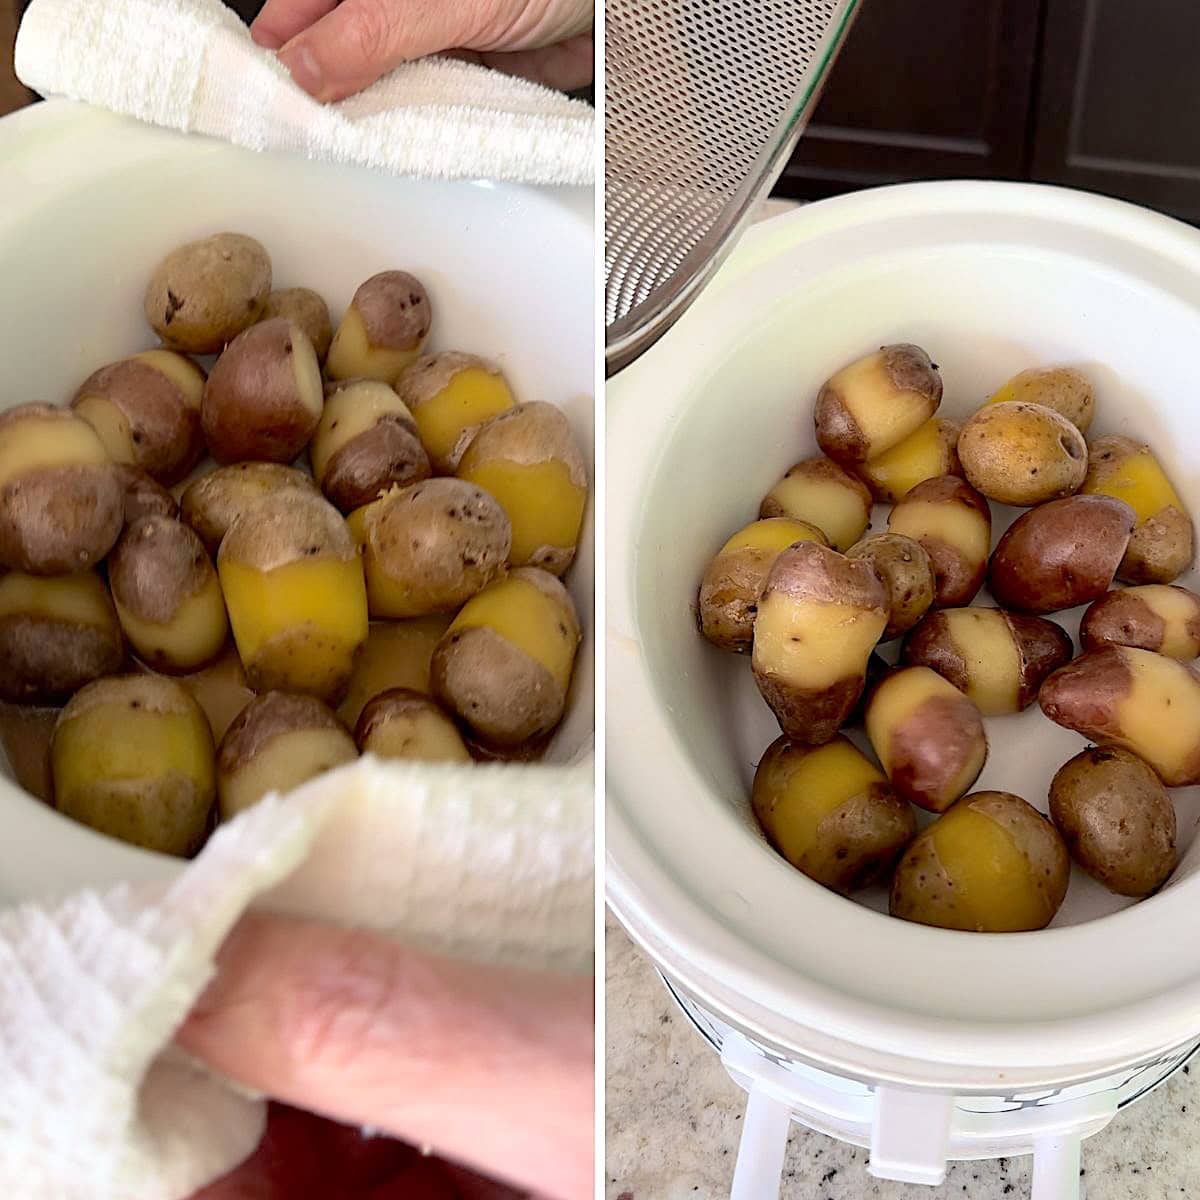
488,1066
334,49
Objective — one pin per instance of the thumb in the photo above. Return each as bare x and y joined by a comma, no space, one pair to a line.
488,1065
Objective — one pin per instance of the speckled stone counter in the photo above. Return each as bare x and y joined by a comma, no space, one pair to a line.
674,1118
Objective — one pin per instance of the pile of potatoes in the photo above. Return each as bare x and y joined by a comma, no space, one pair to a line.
220,585
809,598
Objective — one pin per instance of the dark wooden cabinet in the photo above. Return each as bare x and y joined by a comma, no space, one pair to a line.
1100,94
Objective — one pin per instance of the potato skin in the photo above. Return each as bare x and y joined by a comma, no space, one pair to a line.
855,842
25,734
308,310
213,502
203,294
811,594
906,572
394,315
1065,390
1039,647
930,451
806,493
1156,617
1022,454
1116,818
1060,554
143,497
421,720
900,375
958,569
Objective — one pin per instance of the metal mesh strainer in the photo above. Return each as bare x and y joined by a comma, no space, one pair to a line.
704,101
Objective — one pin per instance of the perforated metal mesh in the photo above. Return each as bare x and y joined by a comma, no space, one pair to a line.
704,100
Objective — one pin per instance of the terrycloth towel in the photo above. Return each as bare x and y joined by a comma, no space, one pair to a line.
191,65
492,863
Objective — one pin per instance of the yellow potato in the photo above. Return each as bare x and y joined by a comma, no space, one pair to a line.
221,691
931,450
1152,617
905,571
25,734
213,502
821,493
1067,391
396,654
383,330
404,724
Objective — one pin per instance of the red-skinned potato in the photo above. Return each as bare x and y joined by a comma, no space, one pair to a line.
819,617
1156,617
308,310
906,572
383,330
1060,554
144,497
819,492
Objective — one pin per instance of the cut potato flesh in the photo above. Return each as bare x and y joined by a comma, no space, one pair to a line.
472,396
193,636
347,414
1141,483
884,414
182,372
425,736
954,524
773,533
1159,716
110,425
919,457
396,655
813,645
37,443
221,691
351,356
836,510
989,652
285,763
80,599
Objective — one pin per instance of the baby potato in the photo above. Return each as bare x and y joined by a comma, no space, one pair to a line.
214,501
146,411
907,574
1140,701
405,724
528,459
819,617
504,665
734,579
221,690
143,497
56,634
990,864
294,589
875,403
820,493
1162,545
1153,617
61,506
451,395
167,595
132,756
1116,818
1060,554
308,310
998,660
366,443
953,523
1022,454
396,654
25,734
276,743
877,668
383,330
1067,391
203,294
930,451
264,396
927,735
831,812
430,547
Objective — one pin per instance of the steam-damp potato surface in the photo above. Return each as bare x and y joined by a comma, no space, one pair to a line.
25,734
1022,454
990,864
308,310
409,725
383,330
733,581
132,756
1155,616
931,450
1065,390
875,402
221,690
203,294
906,572
396,654
143,497
61,504
1116,818
830,812
213,502
823,494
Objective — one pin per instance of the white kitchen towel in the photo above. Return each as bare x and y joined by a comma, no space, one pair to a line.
191,65
493,863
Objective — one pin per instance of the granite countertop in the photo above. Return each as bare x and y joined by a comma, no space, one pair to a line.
673,1120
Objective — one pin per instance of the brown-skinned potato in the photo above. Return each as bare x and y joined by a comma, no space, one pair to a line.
213,502
830,812
383,330
823,494
57,633
990,864
144,497
366,443
203,294
308,310
1065,390
875,402
25,734
1116,818
1022,454
1156,616
819,617
264,396
733,581
953,523
1142,702
61,505
396,654
927,735
997,659
410,725
1162,545
906,572
930,451
1060,554
276,743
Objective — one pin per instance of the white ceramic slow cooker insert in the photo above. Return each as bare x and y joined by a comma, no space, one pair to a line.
1053,1028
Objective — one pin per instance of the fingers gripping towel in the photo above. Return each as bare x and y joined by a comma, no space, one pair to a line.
191,65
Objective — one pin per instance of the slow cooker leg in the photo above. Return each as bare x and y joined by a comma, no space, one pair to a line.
1056,1167
765,1129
